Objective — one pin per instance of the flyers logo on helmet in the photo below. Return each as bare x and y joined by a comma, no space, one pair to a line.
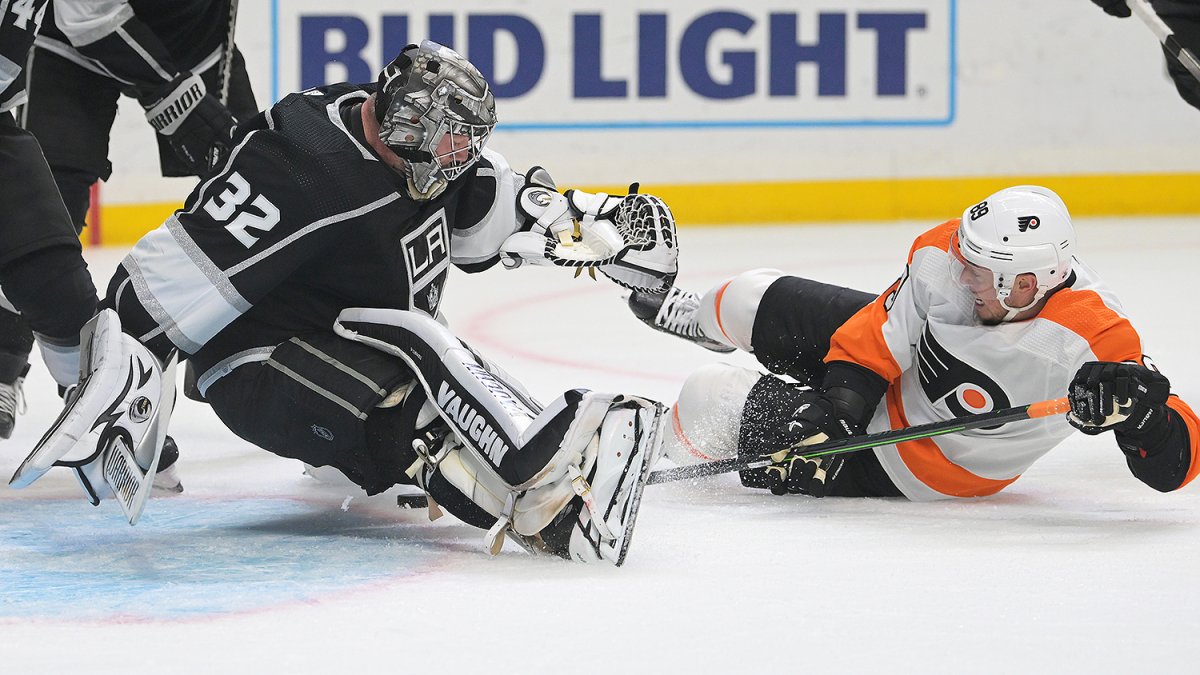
1028,223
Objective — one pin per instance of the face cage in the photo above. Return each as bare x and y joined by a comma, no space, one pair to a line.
476,136
425,176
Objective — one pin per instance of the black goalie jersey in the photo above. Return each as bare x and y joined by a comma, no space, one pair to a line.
302,221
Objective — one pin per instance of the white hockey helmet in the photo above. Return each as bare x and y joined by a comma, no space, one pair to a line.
426,93
1019,230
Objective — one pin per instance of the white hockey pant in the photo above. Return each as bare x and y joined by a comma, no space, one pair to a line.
707,418
727,310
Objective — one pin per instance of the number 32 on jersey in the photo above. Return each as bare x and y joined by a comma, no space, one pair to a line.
250,217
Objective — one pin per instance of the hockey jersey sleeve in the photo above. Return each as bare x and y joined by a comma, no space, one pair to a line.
487,213
109,32
19,23
882,336
1167,456
268,211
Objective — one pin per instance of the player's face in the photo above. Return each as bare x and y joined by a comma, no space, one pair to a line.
980,281
453,150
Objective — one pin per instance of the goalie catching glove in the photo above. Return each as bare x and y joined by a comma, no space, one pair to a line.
631,239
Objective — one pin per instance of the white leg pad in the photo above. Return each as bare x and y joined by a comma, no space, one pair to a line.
728,309
540,499
707,418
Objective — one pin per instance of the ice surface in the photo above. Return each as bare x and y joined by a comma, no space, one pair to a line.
1077,567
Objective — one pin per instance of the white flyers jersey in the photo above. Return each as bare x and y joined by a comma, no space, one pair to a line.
922,336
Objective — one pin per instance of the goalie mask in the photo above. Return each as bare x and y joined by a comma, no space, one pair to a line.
1019,230
435,111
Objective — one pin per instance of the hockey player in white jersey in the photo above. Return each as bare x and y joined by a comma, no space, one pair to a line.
303,280
993,310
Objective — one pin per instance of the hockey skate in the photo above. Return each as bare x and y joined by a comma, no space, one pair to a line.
597,526
113,428
12,403
674,313
166,479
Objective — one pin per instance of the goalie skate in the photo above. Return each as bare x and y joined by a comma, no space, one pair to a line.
630,442
674,313
113,428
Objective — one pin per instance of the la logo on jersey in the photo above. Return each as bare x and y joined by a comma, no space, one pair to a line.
427,259
963,389
1028,223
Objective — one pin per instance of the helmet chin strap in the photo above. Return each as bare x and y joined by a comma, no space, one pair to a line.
1014,311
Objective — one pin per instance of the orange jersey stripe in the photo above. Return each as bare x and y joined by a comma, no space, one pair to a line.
938,237
717,310
925,460
860,340
1193,429
682,437
1110,336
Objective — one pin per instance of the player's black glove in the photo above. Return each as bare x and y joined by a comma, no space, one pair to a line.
814,420
1128,398
780,417
1114,7
197,127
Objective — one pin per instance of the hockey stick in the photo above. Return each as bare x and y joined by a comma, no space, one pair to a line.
866,441
1164,34
226,73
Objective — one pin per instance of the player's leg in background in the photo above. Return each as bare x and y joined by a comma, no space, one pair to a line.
42,271
16,341
71,112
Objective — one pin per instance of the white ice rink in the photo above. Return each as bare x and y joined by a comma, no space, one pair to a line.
256,568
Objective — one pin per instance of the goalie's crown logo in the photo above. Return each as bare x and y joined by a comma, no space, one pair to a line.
1028,223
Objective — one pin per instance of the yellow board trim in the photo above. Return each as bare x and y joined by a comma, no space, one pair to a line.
832,201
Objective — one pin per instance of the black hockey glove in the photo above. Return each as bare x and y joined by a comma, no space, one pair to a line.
1116,8
815,420
1125,397
197,127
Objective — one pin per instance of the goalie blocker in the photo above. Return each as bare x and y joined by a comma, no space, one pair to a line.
564,479
114,425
